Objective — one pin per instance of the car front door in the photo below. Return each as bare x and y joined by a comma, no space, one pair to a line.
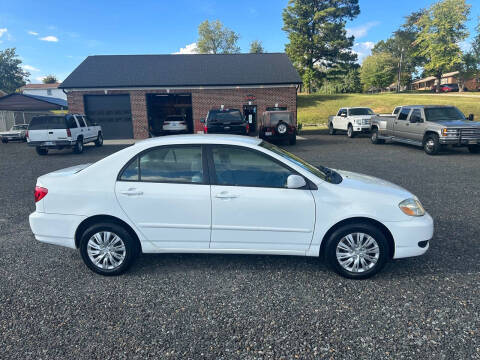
165,192
416,125
400,126
252,210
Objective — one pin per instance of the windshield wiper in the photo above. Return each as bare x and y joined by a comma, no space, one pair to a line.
330,175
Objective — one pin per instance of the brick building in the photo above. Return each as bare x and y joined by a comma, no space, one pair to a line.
130,95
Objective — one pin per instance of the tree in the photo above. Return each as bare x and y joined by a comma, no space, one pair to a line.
399,45
50,79
467,69
12,76
378,71
475,52
214,38
256,47
317,37
442,28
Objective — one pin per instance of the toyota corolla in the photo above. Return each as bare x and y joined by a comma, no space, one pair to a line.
226,195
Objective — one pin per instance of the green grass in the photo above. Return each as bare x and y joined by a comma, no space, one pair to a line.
315,109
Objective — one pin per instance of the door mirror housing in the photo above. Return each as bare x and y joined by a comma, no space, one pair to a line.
295,182
343,115
471,117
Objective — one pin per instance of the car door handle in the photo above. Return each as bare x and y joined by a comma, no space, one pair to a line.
407,124
131,192
50,132
226,195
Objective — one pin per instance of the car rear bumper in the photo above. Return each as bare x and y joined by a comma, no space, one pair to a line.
232,130
55,228
172,128
52,144
411,237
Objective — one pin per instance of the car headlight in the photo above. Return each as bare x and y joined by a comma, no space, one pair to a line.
412,207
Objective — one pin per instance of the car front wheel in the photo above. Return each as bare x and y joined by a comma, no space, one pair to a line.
357,251
108,249
350,132
431,144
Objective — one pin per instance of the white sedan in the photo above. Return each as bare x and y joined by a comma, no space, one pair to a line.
228,195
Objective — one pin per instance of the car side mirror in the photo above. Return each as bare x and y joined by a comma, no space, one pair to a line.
295,182
202,121
470,117
343,115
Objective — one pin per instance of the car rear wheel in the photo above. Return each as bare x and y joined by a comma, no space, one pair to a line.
350,132
108,249
4,140
431,144
78,148
331,130
374,137
41,151
99,141
474,149
357,251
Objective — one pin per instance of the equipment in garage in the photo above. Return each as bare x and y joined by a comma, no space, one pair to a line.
250,113
159,106
112,113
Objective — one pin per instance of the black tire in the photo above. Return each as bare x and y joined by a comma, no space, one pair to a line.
4,140
365,228
279,126
41,151
331,130
431,144
293,140
99,141
78,148
374,137
474,149
350,132
130,244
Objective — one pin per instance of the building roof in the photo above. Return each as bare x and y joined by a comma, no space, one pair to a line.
450,74
40,86
430,78
112,71
25,102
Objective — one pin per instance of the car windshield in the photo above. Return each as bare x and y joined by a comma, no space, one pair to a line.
19,127
225,115
47,122
361,111
295,159
443,114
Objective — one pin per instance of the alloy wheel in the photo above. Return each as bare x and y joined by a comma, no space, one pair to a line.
106,250
357,252
282,128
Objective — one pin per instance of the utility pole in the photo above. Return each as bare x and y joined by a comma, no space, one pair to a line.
399,71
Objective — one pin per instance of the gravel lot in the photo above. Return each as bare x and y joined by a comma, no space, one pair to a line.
248,307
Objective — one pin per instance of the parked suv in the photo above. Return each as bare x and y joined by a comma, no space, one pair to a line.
353,120
225,121
61,131
432,127
175,124
278,125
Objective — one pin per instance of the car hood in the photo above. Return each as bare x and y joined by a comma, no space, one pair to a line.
458,123
361,116
361,182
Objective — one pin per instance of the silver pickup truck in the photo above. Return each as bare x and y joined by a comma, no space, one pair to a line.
429,126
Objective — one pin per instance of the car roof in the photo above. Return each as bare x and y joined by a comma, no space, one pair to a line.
201,139
427,106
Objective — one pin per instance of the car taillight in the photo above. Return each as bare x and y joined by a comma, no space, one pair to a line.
40,193
248,128
69,133
205,129
26,133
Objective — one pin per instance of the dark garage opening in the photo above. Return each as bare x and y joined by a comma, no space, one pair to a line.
159,106
112,112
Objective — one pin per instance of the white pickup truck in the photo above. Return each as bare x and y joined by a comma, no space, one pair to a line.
351,119
62,131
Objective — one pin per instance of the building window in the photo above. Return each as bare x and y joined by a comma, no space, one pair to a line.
49,91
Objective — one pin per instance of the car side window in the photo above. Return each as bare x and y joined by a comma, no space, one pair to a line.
237,166
87,120
170,164
71,123
80,121
341,111
416,116
403,114
395,111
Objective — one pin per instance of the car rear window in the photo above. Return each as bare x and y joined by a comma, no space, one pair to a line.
48,122
226,115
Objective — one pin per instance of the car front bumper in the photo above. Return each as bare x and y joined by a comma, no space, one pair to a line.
458,141
12,137
411,237
55,229
361,128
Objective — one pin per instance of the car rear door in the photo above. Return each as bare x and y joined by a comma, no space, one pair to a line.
252,210
165,192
